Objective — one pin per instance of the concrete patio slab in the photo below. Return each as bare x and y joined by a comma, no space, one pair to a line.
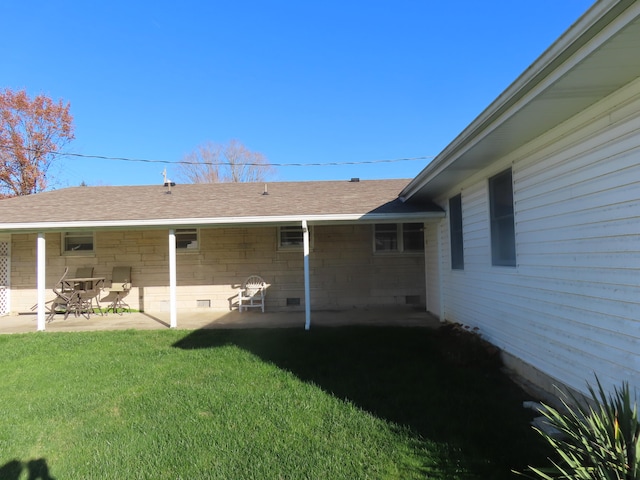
25,323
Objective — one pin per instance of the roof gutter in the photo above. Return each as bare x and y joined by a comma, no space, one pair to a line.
219,222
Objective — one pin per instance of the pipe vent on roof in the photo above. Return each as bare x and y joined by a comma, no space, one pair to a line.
167,182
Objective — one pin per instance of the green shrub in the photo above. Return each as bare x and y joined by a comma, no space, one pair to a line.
599,439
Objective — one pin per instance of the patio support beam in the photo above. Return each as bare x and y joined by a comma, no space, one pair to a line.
307,289
426,266
41,252
173,310
441,250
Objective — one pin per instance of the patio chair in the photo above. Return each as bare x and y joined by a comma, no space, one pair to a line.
84,272
65,301
120,285
252,293
89,292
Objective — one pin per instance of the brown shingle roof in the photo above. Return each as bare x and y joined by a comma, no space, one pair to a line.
232,201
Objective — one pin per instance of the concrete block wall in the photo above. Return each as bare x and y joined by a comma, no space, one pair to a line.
344,271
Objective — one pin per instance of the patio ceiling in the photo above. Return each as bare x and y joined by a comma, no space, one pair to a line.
593,59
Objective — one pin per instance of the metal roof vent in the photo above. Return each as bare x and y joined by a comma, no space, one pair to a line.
167,182
354,180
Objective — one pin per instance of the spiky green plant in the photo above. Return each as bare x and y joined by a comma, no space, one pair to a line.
599,439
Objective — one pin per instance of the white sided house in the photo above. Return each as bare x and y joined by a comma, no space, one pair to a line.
540,249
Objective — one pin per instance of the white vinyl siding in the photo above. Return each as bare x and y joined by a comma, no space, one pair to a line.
571,307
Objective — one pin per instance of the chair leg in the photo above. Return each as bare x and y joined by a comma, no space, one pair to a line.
118,304
98,305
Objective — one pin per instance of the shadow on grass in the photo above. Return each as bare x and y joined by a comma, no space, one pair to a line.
407,376
36,470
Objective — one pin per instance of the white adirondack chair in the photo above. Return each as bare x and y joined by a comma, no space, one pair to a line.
252,293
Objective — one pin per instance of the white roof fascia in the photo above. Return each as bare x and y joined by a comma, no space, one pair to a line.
570,48
256,221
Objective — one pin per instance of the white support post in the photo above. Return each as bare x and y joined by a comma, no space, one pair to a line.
426,267
173,310
441,261
41,251
307,289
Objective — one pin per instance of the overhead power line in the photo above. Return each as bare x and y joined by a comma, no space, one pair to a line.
184,162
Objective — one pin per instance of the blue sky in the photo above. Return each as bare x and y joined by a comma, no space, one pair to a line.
300,82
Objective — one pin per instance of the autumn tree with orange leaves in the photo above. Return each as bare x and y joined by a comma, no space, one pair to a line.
32,131
232,162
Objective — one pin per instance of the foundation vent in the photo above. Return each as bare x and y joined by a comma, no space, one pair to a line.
412,299
203,303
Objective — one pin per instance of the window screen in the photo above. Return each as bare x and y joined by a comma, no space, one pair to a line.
503,235
186,238
78,242
291,237
412,237
455,232
386,237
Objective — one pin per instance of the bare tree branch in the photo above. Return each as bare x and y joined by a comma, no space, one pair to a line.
232,162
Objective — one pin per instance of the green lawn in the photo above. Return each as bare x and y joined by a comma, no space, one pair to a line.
333,403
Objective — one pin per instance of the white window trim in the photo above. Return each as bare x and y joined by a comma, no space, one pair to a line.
78,253
459,267
399,241
294,248
493,241
195,249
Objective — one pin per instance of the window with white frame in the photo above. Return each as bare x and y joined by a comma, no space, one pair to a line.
291,237
186,239
455,232
412,237
77,243
398,237
503,234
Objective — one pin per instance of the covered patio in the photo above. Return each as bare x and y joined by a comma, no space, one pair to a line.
318,245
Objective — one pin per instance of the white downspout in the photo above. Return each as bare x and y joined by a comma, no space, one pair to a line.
41,252
173,310
307,289
426,267
441,263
